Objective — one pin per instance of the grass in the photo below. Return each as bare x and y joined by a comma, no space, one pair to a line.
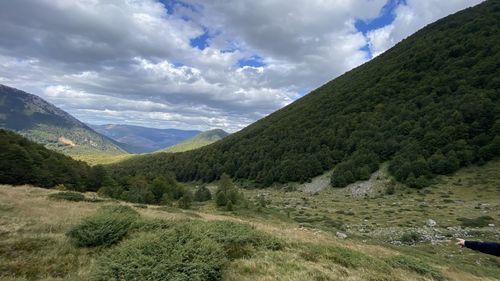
67,195
292,238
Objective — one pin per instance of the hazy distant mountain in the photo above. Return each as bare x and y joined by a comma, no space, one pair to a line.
44,123
137,139
198,141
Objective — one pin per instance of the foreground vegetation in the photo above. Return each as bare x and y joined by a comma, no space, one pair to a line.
283,233
428,106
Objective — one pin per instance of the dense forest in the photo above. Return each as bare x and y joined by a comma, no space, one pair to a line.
427,106
25,162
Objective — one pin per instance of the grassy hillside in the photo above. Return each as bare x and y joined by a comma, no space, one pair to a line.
46,124
280,236
428,106
25,162
137,139
200,140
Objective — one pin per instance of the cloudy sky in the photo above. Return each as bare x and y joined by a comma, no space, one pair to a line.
195,64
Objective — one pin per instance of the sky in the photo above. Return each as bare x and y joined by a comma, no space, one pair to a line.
195,64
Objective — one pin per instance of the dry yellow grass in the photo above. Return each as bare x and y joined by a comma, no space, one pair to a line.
27,213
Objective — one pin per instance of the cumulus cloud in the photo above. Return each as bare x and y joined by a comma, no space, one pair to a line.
410,17
133,62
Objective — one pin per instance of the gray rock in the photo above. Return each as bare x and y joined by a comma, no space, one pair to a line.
491,225
430,223
341,235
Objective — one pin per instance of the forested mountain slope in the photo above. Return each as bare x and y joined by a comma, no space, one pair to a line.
25,162
428,106
200,140
44,123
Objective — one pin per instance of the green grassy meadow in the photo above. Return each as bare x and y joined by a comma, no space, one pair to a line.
282,234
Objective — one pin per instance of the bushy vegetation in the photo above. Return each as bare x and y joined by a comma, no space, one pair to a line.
25,162
481,221
180,250
202,194
67,195
105,228
427,106
162,189
227,195
417,266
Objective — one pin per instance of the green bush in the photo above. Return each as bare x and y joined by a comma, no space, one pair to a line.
67,195
481,221
202,194
410,237
180,250
417,266
105,228
172,254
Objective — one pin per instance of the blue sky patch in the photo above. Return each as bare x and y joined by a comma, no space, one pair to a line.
201,42
386,17
254,61
170,5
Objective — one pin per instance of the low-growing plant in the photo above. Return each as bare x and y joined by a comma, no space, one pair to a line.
481,221
180,250
67,195
105,228
410,237
417,266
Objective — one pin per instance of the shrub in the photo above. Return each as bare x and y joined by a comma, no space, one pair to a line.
118,209
105,228
180,250
60,187
417,266
202,194
410,237
67,195
481,221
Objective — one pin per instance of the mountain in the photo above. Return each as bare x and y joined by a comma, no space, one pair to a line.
25,162
427,106
137,139
44,123
202,139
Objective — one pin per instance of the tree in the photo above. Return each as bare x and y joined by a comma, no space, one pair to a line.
186,200
202,194
139,191
96,177
220,199
158,187
110,188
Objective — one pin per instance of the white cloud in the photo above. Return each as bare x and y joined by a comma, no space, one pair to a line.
411,17
131,62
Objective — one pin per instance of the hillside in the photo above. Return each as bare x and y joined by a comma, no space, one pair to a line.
200,140
137,139
44,123
428,106
25,162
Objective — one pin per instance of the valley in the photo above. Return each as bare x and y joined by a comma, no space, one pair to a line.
373,175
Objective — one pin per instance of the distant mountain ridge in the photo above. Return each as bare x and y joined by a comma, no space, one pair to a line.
138,139
200,140
46,124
